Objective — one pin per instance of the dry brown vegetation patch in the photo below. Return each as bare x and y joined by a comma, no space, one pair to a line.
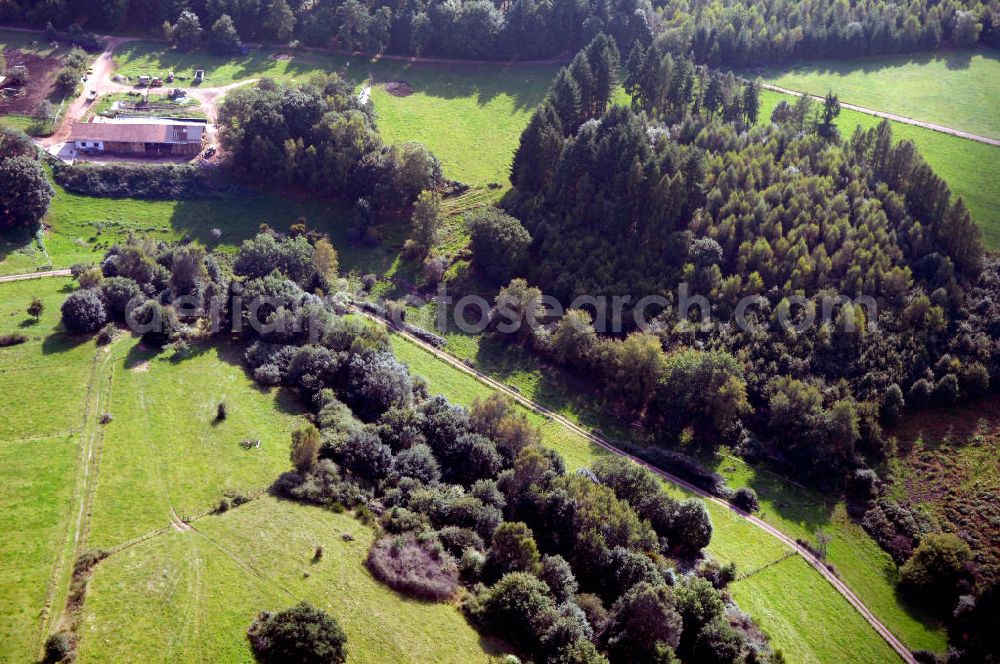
399,88
950,463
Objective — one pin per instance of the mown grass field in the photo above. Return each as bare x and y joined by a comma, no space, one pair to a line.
470,116
145,58
957,89
165,450
861,563
80,228
970,168
784,605
45,382
191,596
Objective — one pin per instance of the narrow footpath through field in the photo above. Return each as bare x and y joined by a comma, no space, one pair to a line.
891,116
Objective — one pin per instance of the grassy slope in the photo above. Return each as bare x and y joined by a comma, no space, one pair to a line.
867,569
80,228
967,166
804,615
957,89
191,596
470,116
165,450
35,489
44,382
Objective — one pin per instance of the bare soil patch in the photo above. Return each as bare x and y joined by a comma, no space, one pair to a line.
283,57
399,88
41,82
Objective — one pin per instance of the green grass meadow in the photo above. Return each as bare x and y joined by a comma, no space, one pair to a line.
191,596
784,606
145,58
164,450
470,116
970,168
45,383
957,89
80,228
36,490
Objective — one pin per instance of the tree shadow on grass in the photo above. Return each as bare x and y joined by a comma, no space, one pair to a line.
554,387
61,342
14,242
954,60
240,218
287,401
140,355
526,84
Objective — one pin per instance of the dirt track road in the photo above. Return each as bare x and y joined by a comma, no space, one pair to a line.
832,578
890,116
34,275
100,81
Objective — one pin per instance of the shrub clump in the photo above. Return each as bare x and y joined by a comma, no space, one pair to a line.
12,339
416,565
57,647
83,312
746,499
299,634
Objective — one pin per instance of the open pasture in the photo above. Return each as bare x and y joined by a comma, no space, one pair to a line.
45,381
190,596
956,89
166,452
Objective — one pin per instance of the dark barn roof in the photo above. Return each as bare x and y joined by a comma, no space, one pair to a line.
113,132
